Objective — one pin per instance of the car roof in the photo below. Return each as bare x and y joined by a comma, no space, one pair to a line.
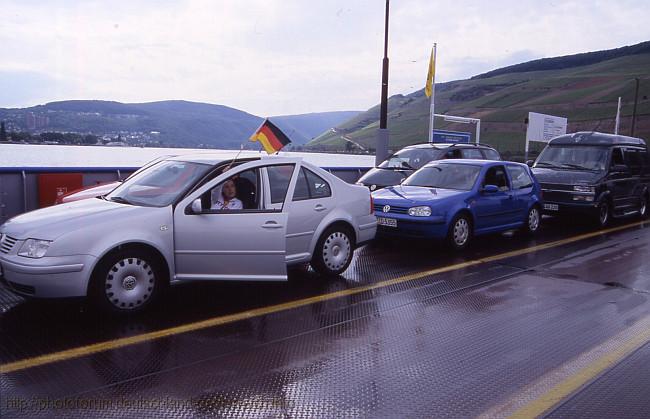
442,146
215,158
596,138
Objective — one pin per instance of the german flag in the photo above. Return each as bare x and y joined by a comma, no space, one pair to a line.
270,136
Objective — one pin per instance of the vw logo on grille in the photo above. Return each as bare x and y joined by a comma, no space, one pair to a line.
386,208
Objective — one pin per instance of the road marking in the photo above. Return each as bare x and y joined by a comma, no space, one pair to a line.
217,321
551,389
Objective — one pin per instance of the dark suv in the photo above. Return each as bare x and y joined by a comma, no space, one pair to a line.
403,163
601,175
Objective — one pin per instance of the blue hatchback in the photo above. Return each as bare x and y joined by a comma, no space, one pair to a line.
455,200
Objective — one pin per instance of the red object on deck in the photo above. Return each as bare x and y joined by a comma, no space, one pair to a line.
52,185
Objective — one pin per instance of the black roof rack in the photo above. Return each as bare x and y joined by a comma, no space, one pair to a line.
596,138
452,144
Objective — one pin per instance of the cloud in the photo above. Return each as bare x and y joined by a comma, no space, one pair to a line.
271,57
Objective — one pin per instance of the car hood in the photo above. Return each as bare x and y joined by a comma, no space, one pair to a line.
416,194
383,177
52,222
568,177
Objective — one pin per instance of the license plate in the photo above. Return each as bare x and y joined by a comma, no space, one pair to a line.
551,207
386,222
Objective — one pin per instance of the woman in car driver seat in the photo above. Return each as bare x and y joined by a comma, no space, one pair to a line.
228,200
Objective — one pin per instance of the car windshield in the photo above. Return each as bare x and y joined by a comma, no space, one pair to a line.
410,158
573,157
160,184
445,176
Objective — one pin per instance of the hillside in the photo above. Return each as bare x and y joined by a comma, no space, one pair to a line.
585,94
304,128
168,123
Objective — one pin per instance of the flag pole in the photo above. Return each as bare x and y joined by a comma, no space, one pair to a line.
433,95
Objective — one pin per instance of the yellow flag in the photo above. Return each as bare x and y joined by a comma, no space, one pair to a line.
428,89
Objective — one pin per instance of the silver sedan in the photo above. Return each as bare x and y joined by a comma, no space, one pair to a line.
187,218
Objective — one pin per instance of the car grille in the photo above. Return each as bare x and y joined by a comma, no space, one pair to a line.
24,289
552,192
6,243
393,209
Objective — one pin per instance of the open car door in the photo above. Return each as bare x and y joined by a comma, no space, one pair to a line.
219,235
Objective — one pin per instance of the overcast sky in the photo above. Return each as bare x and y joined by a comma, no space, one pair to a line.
275,57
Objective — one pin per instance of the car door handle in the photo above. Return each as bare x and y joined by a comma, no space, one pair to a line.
271,224
319,208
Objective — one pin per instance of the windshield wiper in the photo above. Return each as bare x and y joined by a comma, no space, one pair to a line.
575,166
119,200
544,164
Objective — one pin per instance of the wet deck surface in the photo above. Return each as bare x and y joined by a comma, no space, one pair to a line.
454,343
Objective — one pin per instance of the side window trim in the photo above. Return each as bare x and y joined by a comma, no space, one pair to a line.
309,188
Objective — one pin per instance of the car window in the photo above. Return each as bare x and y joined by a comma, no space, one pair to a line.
237,193
409,158
445,176
453,154
520,177
160,184
497,176
570,157
617,156
279,178
491,154
310,186
472,153
634,160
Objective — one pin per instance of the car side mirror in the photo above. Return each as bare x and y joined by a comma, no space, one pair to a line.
489,189
530,163
196,207
620,168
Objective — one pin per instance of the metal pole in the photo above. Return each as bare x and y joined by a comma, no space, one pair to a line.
381,151
478,131
636,101
618,116
432,112
24,176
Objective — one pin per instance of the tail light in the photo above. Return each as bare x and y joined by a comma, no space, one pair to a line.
372,205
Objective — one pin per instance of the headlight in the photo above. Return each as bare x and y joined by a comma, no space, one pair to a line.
582,188
33,248
420,211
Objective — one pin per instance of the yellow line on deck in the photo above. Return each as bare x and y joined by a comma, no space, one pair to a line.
572,383
217,321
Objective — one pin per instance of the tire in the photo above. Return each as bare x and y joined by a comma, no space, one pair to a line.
460,232
645,206
603,214
127,282
532,221
333,251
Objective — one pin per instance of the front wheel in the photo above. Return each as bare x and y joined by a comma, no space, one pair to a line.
333,252
603,213
460,232
533,221
126,282
645,202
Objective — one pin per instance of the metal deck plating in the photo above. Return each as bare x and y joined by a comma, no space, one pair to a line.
410,330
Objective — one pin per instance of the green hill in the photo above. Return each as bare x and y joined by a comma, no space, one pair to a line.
585,94
174,123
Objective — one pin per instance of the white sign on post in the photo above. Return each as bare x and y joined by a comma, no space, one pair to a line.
544,127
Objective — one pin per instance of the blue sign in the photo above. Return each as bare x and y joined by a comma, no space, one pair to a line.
443,136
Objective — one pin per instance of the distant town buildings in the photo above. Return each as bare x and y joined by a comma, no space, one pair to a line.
34,122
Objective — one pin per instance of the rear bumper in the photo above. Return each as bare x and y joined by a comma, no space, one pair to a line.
367,230
48,277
